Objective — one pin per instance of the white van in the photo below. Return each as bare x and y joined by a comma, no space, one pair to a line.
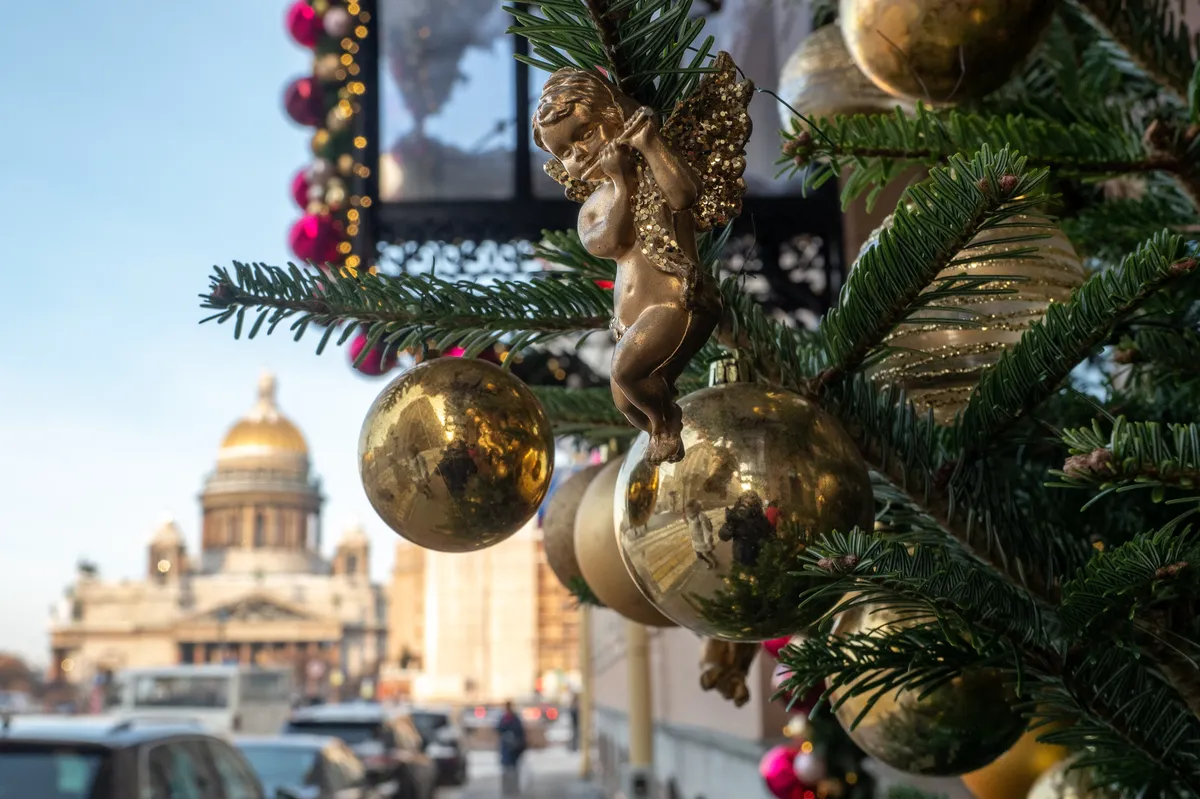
224,698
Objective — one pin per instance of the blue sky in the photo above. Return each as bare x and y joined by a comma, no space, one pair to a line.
142,143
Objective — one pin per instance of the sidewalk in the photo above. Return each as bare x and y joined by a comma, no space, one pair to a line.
546,774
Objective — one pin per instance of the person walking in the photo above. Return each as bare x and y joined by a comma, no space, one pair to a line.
512,746
574,722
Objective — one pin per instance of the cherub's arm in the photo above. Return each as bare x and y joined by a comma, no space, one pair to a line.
675,178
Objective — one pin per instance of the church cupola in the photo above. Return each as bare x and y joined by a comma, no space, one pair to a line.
352,557
168,555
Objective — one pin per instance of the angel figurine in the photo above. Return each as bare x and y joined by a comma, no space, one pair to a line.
646,192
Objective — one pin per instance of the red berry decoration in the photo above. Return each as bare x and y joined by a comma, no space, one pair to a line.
302,101
300,186
303,24
375,363
315,239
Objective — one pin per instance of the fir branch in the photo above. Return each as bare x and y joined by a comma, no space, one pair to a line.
407,310
880,147
585,412
933,223
1111,228
582,593
782,354
1169,354
1035,367
564,249
1145,455
647,47
1154,37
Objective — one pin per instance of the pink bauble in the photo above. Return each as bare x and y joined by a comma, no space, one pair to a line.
455,352
809,767
315,239
337,22
374,364
302,101
300,187
775,644
778,774
303,24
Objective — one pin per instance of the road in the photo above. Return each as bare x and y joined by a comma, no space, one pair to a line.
546,774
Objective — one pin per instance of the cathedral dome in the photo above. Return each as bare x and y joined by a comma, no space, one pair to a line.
262,436
168,534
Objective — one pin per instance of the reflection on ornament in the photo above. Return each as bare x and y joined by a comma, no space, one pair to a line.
939,365
558,525
960,726
714,540
941,50
600,558
820,79
1061,783
391,178
1015,771
456,454
302,101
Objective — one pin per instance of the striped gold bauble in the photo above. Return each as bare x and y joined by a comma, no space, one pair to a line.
939,364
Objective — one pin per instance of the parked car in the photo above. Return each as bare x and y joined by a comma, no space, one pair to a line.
94,757
444,742
14,702
311,767
386,741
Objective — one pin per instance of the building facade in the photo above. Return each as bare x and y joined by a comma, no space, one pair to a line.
257,591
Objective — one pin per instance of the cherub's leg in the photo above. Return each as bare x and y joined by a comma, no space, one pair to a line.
639,367
631,411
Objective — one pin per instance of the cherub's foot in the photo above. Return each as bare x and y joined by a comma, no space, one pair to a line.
709,678
665,447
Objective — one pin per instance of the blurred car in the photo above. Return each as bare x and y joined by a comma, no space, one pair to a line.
311,767
386,741
13,702
444,742
51,757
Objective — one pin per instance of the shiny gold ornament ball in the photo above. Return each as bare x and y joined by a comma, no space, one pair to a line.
941,50
326,67
939,365
960,726
599,557
1061,783
558,525
714,540
456,454
1014,772
820,79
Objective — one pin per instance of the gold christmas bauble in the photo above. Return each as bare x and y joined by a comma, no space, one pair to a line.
939,365
326,67
960,726
714,540
600,558
820,79
456,454
558,525
1061,783
320,141
941,50
1014,772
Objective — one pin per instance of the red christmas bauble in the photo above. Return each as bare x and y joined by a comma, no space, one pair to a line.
375,364
303,24
778,773
775,644
300,187
605,284
302,101
315,239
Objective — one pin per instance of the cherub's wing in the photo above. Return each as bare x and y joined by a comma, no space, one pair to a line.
577,190
710,130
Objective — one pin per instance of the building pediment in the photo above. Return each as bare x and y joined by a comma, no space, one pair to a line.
256,608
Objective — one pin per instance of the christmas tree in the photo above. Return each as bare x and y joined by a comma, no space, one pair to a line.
1014,360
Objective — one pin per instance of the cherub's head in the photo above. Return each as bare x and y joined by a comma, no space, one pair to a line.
578,114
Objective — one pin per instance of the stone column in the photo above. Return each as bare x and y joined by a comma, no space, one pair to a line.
247,541
245,656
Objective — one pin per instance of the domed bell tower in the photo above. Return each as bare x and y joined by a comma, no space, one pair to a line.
352,558
261,507
167,554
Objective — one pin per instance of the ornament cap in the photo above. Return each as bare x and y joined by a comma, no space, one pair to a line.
731,368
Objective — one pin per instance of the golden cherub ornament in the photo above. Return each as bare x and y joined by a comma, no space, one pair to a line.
724,666
646,192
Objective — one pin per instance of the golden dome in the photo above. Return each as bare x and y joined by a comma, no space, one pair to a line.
264,430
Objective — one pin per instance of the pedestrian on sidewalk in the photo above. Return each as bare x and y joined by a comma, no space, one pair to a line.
512,746
574,722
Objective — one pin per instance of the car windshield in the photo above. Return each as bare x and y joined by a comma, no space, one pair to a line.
352,732
428,724
181,691
281,766
50,772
